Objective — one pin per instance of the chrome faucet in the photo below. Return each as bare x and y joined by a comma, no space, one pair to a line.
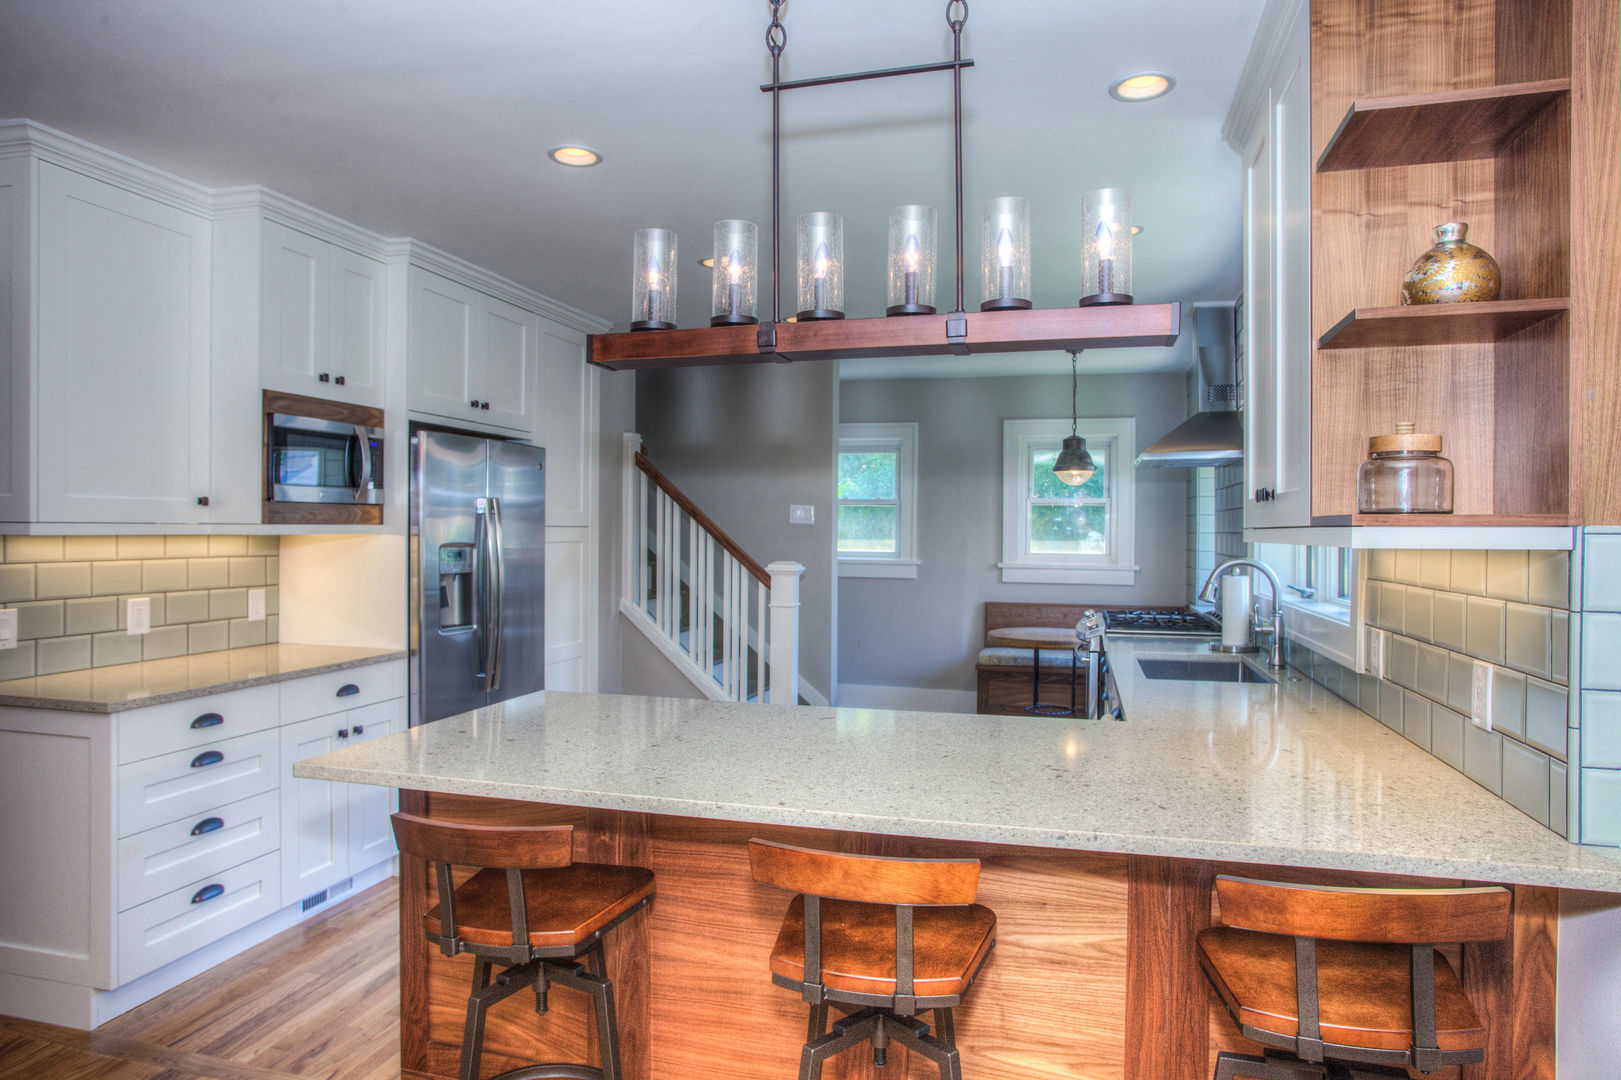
1274,657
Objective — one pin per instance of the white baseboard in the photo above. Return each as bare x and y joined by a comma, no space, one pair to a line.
86,1008
906,698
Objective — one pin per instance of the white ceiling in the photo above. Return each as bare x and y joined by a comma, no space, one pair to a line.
431,119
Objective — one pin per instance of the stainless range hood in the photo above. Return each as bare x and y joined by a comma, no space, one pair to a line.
1215,434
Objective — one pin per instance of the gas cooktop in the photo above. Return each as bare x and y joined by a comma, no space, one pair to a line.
1183,622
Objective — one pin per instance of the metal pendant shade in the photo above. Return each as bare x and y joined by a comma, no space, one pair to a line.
1074,465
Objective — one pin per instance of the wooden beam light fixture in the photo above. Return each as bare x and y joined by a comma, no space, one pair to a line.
1005,323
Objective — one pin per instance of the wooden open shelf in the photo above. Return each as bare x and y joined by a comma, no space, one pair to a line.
1478,323
1036,330
1462,521
1419,129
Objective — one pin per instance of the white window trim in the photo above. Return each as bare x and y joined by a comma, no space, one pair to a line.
1326,627
902,438
1119,435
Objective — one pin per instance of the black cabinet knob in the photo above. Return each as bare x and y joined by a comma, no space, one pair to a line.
339,380
1264,495
202,500
485,405
343,733
360,729
323,377
474,403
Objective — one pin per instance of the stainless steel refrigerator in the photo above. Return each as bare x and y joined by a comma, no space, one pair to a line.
478,572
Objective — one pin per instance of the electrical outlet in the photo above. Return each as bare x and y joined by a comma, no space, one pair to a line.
799,514
256,605
8,628
1480,699
138,615
1375,658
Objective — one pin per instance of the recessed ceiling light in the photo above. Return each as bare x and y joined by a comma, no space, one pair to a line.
707,264
576,157
1144,86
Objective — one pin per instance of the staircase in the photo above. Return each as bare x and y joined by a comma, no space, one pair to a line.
730,625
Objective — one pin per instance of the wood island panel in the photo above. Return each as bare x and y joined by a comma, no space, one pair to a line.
1094,975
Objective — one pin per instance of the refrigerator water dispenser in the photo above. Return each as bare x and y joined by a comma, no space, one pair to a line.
455,587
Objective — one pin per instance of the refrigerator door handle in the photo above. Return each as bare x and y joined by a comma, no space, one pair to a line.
483,602
498,566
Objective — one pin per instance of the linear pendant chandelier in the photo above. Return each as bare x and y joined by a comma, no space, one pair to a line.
820,334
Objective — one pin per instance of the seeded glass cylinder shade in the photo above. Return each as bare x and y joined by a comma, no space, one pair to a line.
821,266
1004,257
1106,240
653,294
737,256
913,231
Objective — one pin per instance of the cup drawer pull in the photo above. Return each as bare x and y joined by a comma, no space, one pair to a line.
348,689
207,757
207,893
207,720
207,825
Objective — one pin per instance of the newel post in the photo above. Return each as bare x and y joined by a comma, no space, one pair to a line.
784,633
632,539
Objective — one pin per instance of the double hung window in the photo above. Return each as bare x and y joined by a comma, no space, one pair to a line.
1053,532
877,500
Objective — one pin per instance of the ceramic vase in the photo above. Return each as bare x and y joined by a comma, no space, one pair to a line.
1453,271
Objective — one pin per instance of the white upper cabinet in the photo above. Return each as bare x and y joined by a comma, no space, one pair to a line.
471,357
322,320
567,405
1277,292
122,361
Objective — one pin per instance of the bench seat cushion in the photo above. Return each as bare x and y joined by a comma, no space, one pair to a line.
1022,658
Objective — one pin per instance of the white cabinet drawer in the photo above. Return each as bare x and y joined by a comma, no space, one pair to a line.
350,688
163,729
163,859
191,783
197,914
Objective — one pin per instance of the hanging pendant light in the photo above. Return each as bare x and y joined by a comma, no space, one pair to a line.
1074,465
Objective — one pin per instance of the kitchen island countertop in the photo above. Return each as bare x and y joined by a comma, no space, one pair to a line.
156,682
1253,773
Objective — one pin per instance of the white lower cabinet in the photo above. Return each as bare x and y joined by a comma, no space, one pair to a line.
330,831
136,839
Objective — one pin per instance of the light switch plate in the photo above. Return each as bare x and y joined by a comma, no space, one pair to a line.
799,514
1480,698
138,615
8,628
256,605
1375,658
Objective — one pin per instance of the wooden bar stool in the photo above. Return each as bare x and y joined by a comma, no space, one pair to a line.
1336,976
852,939
533,909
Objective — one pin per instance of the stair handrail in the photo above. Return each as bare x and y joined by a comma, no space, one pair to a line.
707,524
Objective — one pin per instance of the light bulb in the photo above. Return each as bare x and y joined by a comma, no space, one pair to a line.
1105,240
911,254
652,272
821,260
734,267
1004,248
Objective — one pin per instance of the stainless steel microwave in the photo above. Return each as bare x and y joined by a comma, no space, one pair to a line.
322,454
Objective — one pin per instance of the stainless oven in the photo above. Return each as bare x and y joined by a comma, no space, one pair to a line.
321,454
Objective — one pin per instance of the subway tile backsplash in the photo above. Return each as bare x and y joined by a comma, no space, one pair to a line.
70,593
1444,610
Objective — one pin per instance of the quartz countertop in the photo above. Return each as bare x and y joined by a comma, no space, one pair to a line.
154,682
1283,774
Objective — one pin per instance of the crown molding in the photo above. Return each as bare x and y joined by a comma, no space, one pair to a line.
1272,38
428,257
25,138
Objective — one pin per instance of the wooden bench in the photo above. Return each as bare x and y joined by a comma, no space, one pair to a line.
1003,675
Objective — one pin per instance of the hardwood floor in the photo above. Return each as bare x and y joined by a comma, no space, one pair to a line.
317,1002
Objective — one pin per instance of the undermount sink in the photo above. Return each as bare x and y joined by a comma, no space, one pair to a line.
1212,670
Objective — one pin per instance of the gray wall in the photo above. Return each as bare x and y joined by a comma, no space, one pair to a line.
926,632
744,443
616,403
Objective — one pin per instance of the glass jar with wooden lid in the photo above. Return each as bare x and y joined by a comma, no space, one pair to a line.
1404,474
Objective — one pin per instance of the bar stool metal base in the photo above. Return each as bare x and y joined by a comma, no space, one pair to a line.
541,974
879,1026
1230,1066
